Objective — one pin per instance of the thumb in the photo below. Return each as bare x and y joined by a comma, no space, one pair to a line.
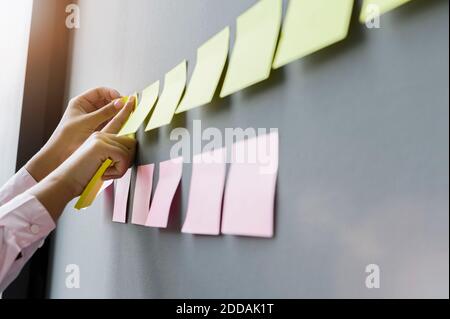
105,113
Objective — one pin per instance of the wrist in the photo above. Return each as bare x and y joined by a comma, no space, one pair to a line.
45,162
68,186
54,193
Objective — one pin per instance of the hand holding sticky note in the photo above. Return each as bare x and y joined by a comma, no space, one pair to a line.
93,187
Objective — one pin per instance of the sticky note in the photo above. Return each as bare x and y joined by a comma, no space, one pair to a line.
93,187
122,188
211,59
146,103
372,8
169,178
248,206
142,194
256,39
108,198
206,194
174,85
311,25
106,185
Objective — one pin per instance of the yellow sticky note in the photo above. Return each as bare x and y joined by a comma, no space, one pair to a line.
256,39
124,99
373,8
146,103
94,185
174,84
310,26
211,58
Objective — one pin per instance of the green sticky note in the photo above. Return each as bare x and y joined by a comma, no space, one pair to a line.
174,85
372,8
211,59
146,103
312,25
256,39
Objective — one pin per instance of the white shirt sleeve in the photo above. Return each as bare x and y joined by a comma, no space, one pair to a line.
24,225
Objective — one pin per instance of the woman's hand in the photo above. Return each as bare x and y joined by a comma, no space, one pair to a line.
85,114
70,178
78,170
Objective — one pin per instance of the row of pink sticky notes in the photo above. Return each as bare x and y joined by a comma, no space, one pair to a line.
241,205
169,178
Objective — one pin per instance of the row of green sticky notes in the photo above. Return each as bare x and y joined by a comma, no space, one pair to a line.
309,26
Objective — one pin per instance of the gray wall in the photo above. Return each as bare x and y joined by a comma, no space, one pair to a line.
363,161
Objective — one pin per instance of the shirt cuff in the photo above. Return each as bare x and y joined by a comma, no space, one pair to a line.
25,221
18,184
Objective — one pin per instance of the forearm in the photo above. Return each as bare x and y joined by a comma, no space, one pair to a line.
54,193
50,157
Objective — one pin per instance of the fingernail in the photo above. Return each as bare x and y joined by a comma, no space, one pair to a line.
118,104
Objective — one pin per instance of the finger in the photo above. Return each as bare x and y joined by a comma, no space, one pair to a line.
101,127
100,96
127,142
110,177
118,145
105,113
120,149
128,146
117,169
120,119
121,162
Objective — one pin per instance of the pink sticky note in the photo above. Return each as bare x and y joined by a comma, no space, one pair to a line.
108,199
122,188
142,194
105,186
169,178
206,193
248,207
